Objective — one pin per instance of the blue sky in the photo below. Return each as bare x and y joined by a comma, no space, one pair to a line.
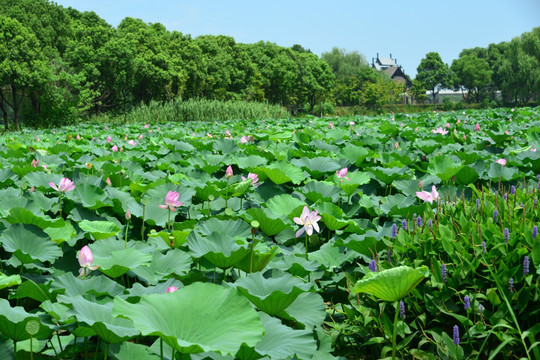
406,29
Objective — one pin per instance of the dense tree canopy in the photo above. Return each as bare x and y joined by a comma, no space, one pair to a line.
59,64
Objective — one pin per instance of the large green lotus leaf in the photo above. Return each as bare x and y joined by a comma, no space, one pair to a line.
284,204
38,199
101,319
322,145
401,205
7,176
282,342
91,196
267,223
307,309
532,158
231,227
225,146
319,190
427,146
467,175
9,280
366,244
317,166
138,290
13,322
58,229
283,172
98,285
131,351
118,262
250,162
271,295
32,290
331,215
392,284
175,261
123,201
444,167
262,255
331,256
497,171
221,249
40,180
29,243
408,187
387,175
99,229
353,154
229,319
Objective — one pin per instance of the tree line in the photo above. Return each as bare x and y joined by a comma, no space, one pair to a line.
507,72
58,64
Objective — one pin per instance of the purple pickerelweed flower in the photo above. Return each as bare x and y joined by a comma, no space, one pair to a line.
443,272
419,221
506,235
481,308
535,232
394,231
402,309
525,265
404,225
484,247
495,216
456,335
477,204
373,266
467,302
430,223
513,190
506,197
511,283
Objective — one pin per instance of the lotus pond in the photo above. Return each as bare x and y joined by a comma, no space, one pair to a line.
391,236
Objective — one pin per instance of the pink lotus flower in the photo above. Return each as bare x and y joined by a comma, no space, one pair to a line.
121,149
108,181
128,215
132,142
342,174
78,137
533,149
209,135
309,222
351,123
64,186
420,184
254,179
126,137
506,132
106,127
171,289
35,163
146,126
140,137
227,133
246,139
109,139
331,126
447,125
458,121
477,127
171,201
32,189
429,196
114,148
440,130
396,145
229,172
501,161
85,261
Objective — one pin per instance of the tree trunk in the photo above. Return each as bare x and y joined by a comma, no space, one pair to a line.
16,107
4,111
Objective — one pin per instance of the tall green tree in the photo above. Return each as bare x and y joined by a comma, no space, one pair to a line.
23,66
473,74
434,75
